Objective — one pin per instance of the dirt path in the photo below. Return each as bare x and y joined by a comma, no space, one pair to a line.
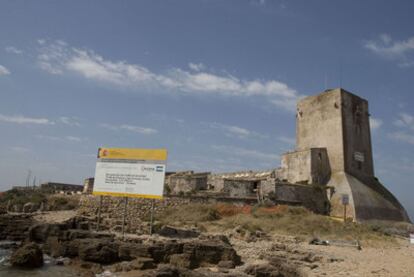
55,216
381,261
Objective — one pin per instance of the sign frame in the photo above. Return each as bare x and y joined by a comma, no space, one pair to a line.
130,172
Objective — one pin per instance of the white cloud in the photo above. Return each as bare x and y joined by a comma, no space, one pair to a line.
403,136
61,139
406,64
131,128
71,121
59,58
13,50
75,139
405,120
234,131
386,47
287,140
247,153
4,70
19,119
375,123
20,149
197,66
137,129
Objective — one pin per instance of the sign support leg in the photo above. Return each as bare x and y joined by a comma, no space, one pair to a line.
99,213
152,216
124,216
344,213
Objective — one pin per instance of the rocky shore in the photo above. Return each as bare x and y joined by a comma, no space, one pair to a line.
66,240
171,252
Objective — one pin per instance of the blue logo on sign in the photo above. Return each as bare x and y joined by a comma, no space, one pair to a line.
159,168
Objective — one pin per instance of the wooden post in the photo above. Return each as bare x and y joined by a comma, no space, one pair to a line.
124,216
152,216
99,213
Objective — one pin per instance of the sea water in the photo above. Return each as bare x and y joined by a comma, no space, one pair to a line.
49,269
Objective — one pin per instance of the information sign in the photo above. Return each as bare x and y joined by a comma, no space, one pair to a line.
130,172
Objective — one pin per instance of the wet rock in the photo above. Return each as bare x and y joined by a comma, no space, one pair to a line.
226,264
168,231
130,251
85,234
3,209
62,261
8,245
141,263
14,227
211,252
87,273
16,208
30,207
28,256
90,267
167,271
98,251
161,251
263,270
183,261
40,232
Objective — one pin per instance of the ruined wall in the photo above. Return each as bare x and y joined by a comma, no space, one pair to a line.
267,186
311,197
215,182
240,188
139,209
179,184
310,166
187,182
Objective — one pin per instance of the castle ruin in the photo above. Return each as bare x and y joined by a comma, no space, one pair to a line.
331,165
333,149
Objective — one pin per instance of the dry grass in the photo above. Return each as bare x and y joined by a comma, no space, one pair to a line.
189,214
62,202
281,219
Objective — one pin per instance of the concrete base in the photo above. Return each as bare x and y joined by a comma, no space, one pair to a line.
368,199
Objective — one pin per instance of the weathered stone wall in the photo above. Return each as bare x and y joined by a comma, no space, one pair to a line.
240,188
310,166
312,197
139,209
319,124
216,181
357,136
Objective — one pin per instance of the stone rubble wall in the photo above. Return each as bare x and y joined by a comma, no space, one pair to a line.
138,209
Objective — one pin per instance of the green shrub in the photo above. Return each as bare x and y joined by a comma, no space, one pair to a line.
22,197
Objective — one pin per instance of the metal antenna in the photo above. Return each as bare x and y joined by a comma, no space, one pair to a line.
29,173
340,72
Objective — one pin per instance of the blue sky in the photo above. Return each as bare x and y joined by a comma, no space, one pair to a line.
214,82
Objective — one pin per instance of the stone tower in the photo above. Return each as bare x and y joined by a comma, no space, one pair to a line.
337,122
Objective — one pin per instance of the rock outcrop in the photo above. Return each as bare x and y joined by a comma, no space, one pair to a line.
14,227
28,256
